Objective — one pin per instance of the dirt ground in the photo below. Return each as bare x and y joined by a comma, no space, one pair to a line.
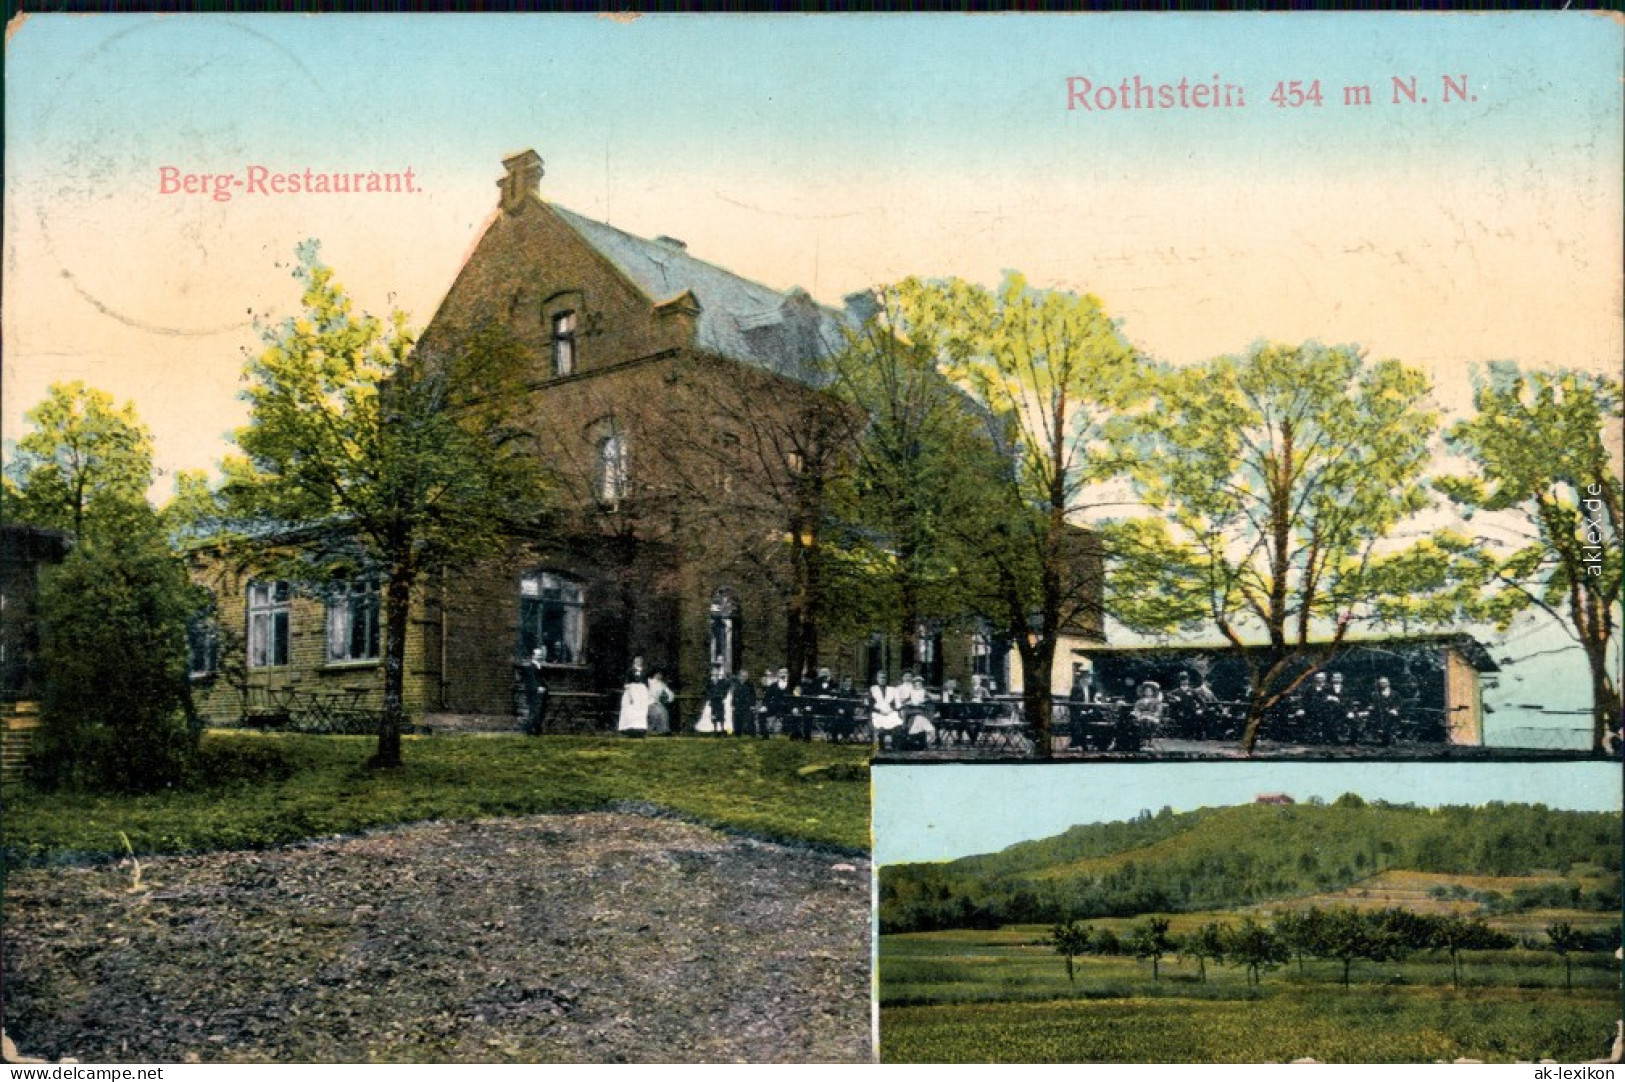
603,937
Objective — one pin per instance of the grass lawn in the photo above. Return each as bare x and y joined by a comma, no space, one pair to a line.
1363,1025
267,789
1002,995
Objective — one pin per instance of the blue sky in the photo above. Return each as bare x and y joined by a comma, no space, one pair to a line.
942,811
818,93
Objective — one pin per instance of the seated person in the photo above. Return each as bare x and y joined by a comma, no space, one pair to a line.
779,699
884,718
914,702
1148,708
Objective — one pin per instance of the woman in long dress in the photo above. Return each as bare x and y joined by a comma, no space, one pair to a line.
634,720
913,699
660,699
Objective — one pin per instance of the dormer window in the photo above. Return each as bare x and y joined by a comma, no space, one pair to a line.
564,343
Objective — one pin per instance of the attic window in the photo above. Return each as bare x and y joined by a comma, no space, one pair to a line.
564,343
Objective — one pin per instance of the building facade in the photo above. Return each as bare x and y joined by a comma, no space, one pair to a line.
681,410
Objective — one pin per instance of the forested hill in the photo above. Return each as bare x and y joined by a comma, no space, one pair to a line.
1221,857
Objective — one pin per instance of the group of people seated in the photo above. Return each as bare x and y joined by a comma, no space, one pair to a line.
901,716
738,705
1324,710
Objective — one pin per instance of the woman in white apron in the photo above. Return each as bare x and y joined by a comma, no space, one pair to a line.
635,701
884,719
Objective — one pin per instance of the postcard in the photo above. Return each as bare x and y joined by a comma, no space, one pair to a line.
515,525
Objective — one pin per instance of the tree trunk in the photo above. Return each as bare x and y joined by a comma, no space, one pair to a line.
397,612
908,609
1255,721
1605,703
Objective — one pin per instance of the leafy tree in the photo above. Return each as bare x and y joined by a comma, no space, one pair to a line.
1149,939
770,455
364,451
1454,934
1051,371
1565,940
1285,476
1301,931
1254,946
1204,943
1542,462
923,465
1070,939
113,614
1348,935
194,511
86,463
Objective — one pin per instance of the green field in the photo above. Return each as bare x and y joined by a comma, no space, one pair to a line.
254,790
1003,996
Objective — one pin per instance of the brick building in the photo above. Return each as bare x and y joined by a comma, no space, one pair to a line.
680,407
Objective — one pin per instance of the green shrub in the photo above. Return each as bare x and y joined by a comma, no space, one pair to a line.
219,763
113,642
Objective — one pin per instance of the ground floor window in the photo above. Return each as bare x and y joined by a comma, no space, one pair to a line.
202,645
552,616
352,622
270,608
990,659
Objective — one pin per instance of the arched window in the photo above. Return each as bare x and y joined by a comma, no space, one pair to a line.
552,616
564,343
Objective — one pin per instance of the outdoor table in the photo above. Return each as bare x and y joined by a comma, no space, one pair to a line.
322,711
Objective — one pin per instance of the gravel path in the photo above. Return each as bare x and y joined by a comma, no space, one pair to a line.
596,938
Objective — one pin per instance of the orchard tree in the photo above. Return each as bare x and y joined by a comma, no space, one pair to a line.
1149,939
1348,934
86,462
1070,939
1564,941
1049,371
1454,934
367,451
1255,947
1545,447
1204,943
1286,478
1302,931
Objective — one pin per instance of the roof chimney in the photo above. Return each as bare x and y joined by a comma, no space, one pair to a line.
522,179
862,306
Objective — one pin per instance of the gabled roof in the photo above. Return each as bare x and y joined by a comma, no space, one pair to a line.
738,319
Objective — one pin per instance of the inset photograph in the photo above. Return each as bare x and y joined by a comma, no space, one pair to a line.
1226,913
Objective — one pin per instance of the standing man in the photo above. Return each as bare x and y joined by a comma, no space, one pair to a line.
535,692
747,717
